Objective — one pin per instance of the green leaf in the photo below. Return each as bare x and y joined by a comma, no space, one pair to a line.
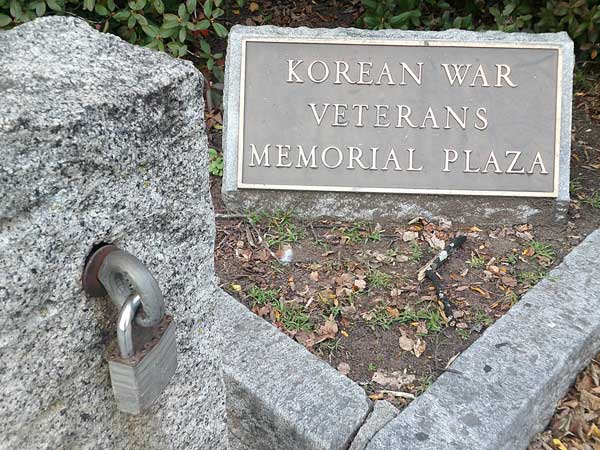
159,6
54,5
40,8
151,30
508,9
141,19
400,19
370,21
101,10
205,46
131,22
208,8
218,3
122,15
182,51
217,13
4,20
15,9
182,34
190,5
137,5
182,11
171,23
203,25
220,29
111,5
369,4
167,32
89,4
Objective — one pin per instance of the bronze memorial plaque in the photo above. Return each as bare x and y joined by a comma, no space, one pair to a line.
368,115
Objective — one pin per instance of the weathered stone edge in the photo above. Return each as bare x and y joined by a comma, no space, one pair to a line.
279,395
383,412
231,95
504,388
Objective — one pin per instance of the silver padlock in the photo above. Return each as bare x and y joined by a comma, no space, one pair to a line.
143,359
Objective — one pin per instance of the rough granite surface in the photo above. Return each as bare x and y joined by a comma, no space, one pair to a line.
279,395
362,206
383,411
100,142
508,382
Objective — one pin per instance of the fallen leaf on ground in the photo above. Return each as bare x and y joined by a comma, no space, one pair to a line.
420,347
406,343
395,380
409,236
343,368
327,331
360,284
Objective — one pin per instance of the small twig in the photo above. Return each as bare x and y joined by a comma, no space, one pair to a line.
429,271
226,216
400,394
262,241
314,233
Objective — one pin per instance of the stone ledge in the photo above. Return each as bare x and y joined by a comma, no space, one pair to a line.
279,395
511,378
380,416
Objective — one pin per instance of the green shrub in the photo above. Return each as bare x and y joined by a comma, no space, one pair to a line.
215,162
580,18
177,27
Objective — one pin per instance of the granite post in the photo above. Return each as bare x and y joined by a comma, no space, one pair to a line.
100,141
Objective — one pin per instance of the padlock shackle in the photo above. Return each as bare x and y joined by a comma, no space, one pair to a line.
123,275
125,325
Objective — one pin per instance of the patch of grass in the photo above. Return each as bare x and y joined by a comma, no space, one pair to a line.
330,345
531,277
359,233
543,250
372,367
463,334
575,186
333,311
262,296
381,317
512,259
424,383
377,279
416,254
593,200
476,262
255,217
482,319
512,298
432,317
291,317
282,230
